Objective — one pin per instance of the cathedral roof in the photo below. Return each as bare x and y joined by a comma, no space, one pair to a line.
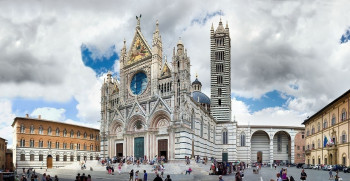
200,97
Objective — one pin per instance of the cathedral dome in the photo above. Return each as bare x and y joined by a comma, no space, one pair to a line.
200,97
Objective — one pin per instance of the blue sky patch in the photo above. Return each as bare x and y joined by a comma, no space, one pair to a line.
100,62
22,106
203,20
345,37
271,99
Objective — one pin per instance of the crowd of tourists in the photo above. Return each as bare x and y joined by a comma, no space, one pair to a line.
31,175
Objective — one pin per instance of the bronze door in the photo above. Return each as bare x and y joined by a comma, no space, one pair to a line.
119,149
163,148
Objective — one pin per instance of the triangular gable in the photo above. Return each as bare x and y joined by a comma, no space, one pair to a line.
166,71
160,104
139,49
117,115
137,109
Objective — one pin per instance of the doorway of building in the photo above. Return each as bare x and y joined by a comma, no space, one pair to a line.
139,147
259,156
330,159
49,161
225,157
119,148
163,148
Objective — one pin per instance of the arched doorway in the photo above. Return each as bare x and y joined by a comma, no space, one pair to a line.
260,143
259,156
330,159
282,148
49,161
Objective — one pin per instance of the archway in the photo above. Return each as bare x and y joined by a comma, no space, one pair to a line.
49,161
282,147
260,143
331,159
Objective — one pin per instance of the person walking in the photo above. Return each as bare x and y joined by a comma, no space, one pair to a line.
119,168
131,173
330,174
278,175
303,175
238,176
220,178
284,175
145,175
275,166
336,177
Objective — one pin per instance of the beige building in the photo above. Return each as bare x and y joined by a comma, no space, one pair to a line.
327,133
3,145
40,143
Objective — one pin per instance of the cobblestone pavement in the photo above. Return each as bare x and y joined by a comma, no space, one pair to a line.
265,175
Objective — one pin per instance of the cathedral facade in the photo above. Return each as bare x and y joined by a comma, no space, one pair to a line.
155,109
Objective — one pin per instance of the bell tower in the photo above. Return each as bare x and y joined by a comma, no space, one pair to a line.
220,68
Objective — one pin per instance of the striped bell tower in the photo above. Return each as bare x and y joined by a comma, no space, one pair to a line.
220,68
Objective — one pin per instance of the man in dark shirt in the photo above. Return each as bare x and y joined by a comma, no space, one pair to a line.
158,178
145,175
131,175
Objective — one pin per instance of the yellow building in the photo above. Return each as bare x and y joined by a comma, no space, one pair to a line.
327,133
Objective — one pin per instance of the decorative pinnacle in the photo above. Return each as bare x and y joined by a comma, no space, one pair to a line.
196,75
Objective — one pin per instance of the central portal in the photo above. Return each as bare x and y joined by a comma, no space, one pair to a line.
163,148
139,147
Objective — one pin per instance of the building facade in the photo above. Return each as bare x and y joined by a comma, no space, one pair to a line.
154,109
327,133
3,147
40,143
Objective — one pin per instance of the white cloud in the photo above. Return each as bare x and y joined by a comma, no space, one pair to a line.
6,119
49,113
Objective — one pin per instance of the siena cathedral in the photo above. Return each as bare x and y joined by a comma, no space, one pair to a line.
155,109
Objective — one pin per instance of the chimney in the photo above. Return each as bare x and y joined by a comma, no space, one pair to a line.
27,115
39,117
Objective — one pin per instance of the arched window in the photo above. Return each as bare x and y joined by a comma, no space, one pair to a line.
49,131
31,129
78,146
343,115
219,102
202,127
318,143
57,144
23,129
242,139
71,158
49,144
41,157
64,158
307,132
23,157
343,137
325,124
40,130
318,126
224,136
333,119
84,146
32,143
41,143
64,133
78,134
23,142
209,131
313,130
57,131
85,135
31,157
192,121
313,145
57,158
71,133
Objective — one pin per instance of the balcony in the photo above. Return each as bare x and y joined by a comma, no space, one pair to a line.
307,152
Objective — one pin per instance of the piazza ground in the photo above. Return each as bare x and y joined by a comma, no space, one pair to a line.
265,175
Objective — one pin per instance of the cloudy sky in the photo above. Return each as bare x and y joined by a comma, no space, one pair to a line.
289,58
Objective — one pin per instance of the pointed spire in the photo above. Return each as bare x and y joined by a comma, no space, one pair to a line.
196,75
138,26
212,26
226,24
157,26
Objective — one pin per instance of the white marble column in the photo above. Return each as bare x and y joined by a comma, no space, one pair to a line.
271,152
292,150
